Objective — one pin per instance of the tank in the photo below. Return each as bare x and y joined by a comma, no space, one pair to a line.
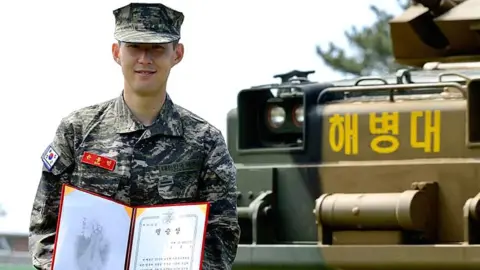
372,172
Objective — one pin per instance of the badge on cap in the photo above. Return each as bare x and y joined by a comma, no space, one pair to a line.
50,156
99,161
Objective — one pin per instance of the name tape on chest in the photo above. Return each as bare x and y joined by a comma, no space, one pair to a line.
185,166
49,157
99,161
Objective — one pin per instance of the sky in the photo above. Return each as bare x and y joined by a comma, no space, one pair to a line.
56,58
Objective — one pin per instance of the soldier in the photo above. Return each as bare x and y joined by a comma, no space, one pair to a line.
152,151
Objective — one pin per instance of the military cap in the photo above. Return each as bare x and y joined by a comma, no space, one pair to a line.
147,23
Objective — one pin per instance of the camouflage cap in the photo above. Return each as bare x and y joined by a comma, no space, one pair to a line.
147,23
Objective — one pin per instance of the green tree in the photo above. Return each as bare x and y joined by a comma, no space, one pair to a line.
371,44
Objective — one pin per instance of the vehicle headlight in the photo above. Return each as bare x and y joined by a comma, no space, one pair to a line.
276,116
298,115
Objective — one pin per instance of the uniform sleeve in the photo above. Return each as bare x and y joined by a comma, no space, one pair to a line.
219,189
44,213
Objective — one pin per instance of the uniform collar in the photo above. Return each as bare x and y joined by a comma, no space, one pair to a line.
168,121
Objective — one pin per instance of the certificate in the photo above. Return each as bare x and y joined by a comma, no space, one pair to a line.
96,233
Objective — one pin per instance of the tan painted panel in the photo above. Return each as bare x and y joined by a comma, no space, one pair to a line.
416,129
458,181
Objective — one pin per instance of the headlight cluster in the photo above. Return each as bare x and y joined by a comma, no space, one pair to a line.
277,115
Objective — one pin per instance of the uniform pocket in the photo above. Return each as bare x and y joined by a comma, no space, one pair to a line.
181,185
96,179
177,180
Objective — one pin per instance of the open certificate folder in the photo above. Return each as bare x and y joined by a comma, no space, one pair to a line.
96,233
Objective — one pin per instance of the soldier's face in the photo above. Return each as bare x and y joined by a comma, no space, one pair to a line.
146,67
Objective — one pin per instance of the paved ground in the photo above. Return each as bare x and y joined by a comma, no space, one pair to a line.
15,267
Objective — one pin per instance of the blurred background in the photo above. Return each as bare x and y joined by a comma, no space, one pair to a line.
56,57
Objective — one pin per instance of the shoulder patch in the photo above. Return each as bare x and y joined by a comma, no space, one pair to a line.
49,157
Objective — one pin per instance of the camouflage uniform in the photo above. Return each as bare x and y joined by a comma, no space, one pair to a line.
180,158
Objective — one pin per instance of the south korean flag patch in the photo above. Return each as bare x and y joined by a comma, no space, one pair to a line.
50,156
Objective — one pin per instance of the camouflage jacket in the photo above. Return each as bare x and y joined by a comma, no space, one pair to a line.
180,158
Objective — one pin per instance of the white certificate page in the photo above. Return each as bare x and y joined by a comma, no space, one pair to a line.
93,233
169,237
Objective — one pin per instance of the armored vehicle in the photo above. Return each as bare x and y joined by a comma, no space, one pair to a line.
371,173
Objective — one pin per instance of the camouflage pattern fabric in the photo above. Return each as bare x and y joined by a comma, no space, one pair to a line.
180,158
147,23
